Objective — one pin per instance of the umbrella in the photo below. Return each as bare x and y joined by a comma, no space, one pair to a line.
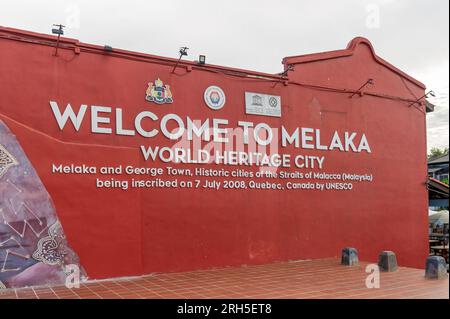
431,212
439,218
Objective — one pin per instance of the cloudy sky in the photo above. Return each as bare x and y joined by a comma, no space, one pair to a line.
257,34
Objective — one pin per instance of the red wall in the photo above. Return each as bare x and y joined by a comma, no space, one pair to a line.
119,233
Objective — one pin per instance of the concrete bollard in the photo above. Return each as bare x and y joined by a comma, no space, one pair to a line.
349,256
435,268
387,261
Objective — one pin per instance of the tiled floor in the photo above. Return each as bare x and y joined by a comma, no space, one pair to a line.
324,278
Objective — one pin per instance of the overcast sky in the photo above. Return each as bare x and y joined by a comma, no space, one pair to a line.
257,34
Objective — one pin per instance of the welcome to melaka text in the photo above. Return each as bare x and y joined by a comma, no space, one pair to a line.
245,144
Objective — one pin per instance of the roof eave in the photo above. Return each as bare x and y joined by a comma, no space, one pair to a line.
347,52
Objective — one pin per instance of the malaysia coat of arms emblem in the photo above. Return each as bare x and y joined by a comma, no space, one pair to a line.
158,93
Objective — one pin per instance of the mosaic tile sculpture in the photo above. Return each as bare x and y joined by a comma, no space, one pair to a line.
33,246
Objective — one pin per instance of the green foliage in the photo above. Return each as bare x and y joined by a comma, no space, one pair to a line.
436,152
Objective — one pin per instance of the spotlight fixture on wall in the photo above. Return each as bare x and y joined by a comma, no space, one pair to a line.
202,59
430,93
183,52
359,91
108,48
290,67
59,31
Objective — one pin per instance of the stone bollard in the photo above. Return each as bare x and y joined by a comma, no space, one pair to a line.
349,256
435,268
387,261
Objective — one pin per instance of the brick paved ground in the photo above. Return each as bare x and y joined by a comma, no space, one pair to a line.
324,278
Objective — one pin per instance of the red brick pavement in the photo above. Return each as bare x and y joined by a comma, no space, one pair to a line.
324,278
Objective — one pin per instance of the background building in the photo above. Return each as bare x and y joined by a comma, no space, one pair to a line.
438,168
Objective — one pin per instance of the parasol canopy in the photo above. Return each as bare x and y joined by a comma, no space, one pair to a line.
439,218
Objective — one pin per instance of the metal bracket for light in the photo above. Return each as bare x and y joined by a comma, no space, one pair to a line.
183,52
290,67
59,31
359,91
423,96
284,74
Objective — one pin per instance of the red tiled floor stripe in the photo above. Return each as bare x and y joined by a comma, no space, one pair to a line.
324,278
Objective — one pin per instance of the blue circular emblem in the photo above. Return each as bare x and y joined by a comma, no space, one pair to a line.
214,97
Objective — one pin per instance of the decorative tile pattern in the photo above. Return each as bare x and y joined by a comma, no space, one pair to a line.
6,160
33,247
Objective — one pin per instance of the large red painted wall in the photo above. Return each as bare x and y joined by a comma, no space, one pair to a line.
119,233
